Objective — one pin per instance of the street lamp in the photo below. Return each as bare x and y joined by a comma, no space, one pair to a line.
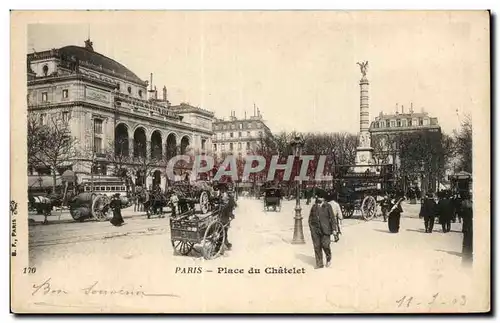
298,232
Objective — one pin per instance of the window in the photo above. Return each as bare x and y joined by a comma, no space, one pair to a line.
239,146
399,123
97,145
260,134
231,135
42,118
409,123
393,124
249,126
98,126
231,146
240,126
65,116
140,93
203,141
223,136
248,133
65,94
420,122
239,134
129,89
44,96
45,70
248,145
403,122
118,86
215,147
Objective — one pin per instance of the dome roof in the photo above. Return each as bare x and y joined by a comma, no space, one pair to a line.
90,56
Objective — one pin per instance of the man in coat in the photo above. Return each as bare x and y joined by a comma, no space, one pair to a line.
445,210
322,225
428,212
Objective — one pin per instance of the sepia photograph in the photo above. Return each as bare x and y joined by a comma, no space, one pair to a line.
250,162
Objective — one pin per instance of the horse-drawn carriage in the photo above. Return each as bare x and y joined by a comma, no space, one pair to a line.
201,232
272,199
363,191
196,196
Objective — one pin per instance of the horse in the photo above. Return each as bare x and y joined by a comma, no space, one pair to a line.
154,202
45,204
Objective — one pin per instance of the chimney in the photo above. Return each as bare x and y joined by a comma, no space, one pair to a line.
397,108
164,93
151,82
245,115
411,107
254,113
156,94
403,109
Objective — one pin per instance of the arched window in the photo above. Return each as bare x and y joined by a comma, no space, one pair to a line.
45,70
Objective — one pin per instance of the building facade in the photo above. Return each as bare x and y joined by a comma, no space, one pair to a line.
387,130
238,137
108,107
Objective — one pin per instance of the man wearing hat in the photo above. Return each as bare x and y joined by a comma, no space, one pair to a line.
116,206
322,225
428,212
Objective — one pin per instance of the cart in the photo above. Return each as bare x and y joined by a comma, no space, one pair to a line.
363,192
272,199
206,231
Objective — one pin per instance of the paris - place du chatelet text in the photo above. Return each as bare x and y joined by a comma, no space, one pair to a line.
251,270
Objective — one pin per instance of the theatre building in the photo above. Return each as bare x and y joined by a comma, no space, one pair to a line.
110,108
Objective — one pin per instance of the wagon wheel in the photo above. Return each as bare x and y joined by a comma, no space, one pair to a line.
213,240
204,202
183,247
347,212
368,207
100,207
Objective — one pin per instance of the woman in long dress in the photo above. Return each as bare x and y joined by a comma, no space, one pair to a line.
116,206
394,215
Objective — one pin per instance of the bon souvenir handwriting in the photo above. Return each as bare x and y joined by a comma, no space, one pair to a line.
48,287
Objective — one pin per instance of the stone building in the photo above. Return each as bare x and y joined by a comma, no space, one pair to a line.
387,129
239,136
108,107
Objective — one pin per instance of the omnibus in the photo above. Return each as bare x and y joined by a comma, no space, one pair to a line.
106,186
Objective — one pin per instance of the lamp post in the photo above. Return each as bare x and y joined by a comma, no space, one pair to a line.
298,232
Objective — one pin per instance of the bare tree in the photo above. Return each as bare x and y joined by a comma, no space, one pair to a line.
463,144
144,162
56,147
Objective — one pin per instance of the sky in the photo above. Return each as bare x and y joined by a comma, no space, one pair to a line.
299,68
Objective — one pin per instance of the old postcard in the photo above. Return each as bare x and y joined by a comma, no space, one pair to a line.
250,162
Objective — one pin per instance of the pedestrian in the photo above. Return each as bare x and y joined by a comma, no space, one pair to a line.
116,206
395,214
445,211
428,212
467,227
322,225
228,204
337,214
385,206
